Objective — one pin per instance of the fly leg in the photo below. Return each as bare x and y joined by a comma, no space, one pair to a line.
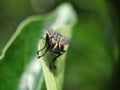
46,45
43,53
43,47
52,63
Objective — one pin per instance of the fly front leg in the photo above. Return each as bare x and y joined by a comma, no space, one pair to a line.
45,46
52,63
41,49
43,53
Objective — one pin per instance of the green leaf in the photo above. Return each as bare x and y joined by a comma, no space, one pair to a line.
18,62
19,67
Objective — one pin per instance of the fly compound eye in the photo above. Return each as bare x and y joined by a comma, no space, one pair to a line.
62,45
52,44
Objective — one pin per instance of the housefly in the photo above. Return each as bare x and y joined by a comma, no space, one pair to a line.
55,43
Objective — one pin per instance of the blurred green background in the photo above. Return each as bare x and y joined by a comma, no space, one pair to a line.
93,57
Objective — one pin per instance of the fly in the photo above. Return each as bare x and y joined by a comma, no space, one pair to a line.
55,43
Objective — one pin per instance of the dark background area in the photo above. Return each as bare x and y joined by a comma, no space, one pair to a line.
115,82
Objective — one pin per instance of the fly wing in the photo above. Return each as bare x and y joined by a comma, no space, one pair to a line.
49,29
66,40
